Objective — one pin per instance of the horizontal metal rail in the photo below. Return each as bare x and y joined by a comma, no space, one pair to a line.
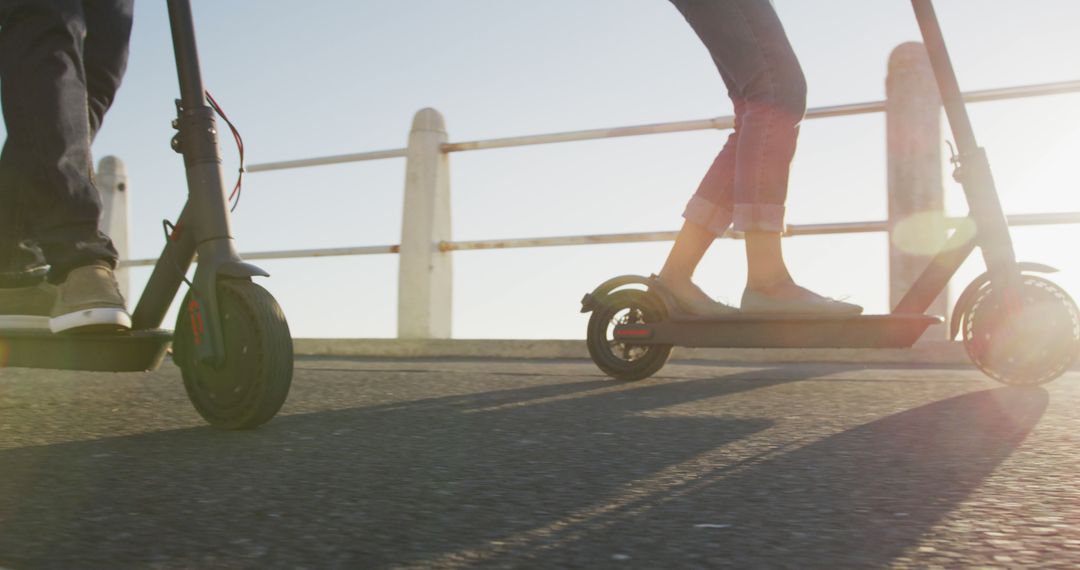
1049,219
729,121
792,230
716,123
292,253
323,161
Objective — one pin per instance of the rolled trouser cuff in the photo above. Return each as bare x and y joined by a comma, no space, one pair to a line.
76,245
759,218
703,213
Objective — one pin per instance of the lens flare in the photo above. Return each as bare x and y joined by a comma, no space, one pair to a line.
924,233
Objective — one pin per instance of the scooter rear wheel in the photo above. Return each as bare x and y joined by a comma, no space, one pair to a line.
252,384
1030,344
617,359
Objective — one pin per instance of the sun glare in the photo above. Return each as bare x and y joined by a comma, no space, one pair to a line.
1050,180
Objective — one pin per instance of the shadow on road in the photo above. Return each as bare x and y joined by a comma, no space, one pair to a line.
856,499
362,487
503,477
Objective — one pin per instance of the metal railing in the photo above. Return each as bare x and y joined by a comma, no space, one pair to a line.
716,123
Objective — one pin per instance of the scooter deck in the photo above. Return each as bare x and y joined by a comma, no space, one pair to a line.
134,351
781,331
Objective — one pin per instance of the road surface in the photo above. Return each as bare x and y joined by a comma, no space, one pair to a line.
545,464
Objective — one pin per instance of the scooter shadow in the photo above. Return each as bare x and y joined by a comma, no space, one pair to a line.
364,487
857,499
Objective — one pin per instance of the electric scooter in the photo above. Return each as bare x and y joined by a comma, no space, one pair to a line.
1017,327
231,342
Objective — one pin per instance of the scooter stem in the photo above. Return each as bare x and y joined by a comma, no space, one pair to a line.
206,215
972,166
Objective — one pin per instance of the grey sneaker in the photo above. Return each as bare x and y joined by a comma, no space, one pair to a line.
89,300
27,308
809,303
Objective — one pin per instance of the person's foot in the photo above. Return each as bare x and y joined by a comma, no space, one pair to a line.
789,298
690,299
89,300
27,308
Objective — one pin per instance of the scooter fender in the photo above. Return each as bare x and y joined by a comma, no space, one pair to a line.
240,269
964,301
217,260
597,297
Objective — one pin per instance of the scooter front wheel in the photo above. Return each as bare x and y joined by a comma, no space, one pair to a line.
1032,342
250,387
618,359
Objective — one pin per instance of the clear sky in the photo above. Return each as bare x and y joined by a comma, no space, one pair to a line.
331,77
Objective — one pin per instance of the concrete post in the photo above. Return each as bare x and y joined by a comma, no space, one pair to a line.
917,226
424,272
112,183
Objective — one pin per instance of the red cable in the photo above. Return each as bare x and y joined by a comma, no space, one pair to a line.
239,146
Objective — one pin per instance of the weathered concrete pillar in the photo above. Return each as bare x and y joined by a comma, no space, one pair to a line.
917,226
112,183
424,272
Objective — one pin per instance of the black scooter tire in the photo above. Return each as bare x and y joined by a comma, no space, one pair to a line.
253,383
600,345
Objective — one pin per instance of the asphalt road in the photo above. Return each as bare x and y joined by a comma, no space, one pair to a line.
544,464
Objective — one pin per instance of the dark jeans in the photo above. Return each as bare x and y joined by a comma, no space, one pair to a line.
61,62
747,183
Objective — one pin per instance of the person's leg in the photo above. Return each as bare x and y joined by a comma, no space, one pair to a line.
707,216
44,94
105,48
26,301
21,261
90,296
751,49
105,54
775,104
775,99
709,212
47,154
